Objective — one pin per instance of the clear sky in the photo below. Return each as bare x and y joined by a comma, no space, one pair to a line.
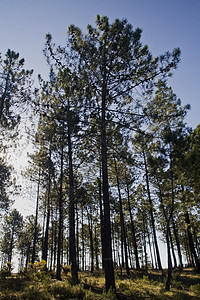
165,25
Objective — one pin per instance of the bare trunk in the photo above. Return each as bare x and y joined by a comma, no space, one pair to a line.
108,262
172,247
144,241
102,221
122,222
46,238
36,221
151,214
96,248
77,236
83,244
11,244
191,242
27,255
58,270
150,250
133,232
177,244
169,273
72,239
55,238
91,243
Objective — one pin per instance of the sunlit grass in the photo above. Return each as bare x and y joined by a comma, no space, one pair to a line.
141,285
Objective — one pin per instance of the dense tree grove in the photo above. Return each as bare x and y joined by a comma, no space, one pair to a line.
115,167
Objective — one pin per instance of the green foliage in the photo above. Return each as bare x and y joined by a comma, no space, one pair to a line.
39,271
89,295
63,290
116,275
11,230
110,295
14,83
192,160
33,292
195,288
5,182
39,266
6,271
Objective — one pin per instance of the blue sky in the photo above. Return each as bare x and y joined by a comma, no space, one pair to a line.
165,25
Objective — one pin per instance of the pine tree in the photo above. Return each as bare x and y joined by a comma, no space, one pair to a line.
113,63
15,85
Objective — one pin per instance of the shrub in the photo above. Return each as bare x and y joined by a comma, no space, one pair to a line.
63,289
6,271
110,295
66,269
35,292
195,289
39,271
122,286
89,295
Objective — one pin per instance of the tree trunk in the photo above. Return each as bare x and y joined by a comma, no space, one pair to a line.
77,236
129,253
108,262
196,242
122,243
144,240
102,220
168,214
96,248
52,240
27,255
55,238
172,247
154,252
83,244
46,237
122,222
11,244
58,270
151,213
36,220
191,242
169,273
133,232
72,238
91,242
150,250
177,243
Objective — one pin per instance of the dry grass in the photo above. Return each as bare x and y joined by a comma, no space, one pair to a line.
141,285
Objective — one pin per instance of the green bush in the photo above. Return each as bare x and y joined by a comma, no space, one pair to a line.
39,272
177,284
195,289
6,271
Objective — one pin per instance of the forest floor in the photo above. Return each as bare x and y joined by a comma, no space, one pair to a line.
142,285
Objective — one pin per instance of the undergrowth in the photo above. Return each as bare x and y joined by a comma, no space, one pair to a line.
39,283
